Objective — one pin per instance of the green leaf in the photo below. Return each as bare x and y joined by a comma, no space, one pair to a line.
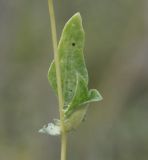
70,50
74,75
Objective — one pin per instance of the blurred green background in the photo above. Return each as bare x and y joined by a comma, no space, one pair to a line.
116,53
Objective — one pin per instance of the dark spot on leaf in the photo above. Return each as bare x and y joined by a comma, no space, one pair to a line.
73,44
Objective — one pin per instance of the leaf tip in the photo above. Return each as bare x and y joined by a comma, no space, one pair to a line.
78,15
94,95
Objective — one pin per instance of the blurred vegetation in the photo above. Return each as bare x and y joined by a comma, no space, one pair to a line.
116,54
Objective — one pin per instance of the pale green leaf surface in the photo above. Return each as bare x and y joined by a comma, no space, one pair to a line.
70,50
74,76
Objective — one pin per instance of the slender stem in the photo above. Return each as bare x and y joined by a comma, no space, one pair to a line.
63,146
58,76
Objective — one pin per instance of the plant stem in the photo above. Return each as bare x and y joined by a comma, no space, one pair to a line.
58,76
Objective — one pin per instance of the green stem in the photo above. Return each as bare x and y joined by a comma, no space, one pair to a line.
58,76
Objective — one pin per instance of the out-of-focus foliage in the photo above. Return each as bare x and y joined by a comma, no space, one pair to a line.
116,54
